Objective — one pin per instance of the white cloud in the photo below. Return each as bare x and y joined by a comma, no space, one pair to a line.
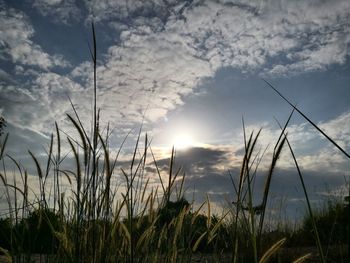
149,73
338,129
121,10
161,57
60,11
312,150
45,102
252,35
16,44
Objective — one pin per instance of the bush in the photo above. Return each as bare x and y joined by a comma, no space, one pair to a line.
5,233
37,231
332,222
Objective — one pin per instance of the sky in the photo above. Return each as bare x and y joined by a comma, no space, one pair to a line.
188,72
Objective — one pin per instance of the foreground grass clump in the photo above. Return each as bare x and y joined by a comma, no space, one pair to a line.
81,214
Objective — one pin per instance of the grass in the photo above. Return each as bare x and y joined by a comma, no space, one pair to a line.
87,222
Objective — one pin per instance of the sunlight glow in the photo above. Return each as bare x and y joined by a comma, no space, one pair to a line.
183,141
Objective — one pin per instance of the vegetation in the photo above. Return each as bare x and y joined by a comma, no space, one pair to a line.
332,222
2,125
81,219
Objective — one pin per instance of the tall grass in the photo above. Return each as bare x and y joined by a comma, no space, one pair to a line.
88,217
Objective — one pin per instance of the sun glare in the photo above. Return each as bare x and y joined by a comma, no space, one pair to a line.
183,141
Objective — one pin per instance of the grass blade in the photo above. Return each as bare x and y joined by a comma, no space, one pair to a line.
272,250
303,258
319,246
311,122
3,146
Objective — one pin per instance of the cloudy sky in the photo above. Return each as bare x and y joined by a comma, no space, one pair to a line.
189,71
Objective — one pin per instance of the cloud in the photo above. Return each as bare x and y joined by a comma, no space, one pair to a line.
208,170
199,159
338,129
45,100
60,11
149,73
134,12
313,151
159,58
207,173
162,52
16,32
253,34
205,169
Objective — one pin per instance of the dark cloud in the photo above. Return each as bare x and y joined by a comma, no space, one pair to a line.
206,172
197,160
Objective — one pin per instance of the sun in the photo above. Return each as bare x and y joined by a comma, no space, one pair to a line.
182,141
